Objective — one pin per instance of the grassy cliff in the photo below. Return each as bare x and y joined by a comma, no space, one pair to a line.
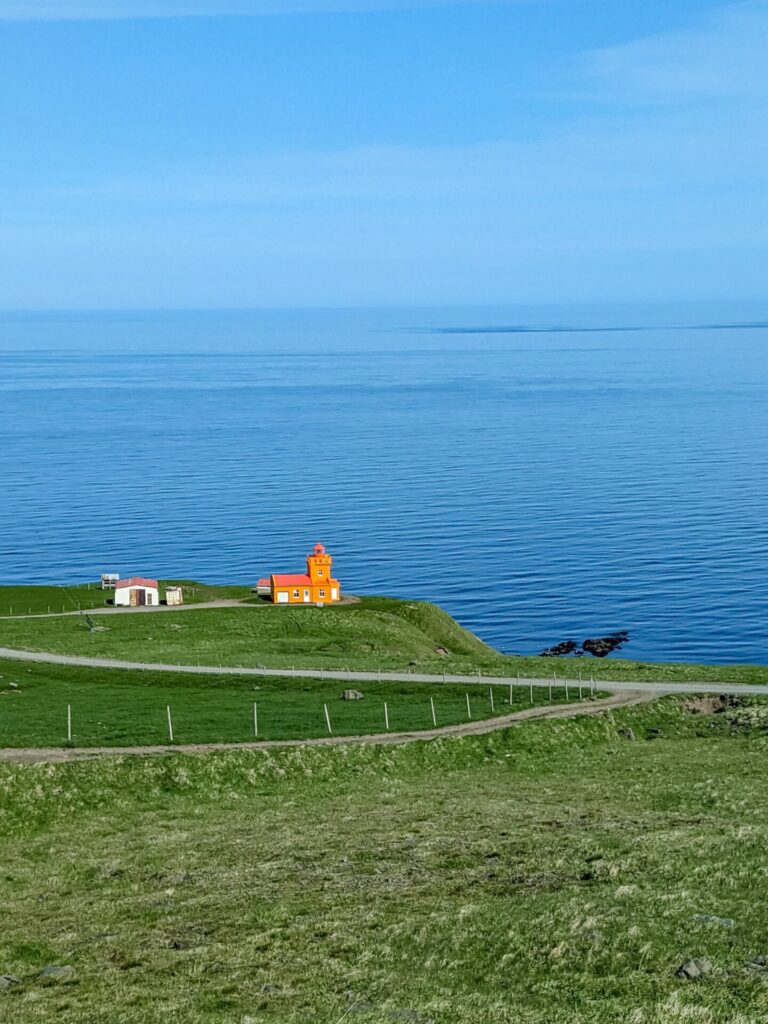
374,632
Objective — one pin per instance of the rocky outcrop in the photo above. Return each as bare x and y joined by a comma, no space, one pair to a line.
598,647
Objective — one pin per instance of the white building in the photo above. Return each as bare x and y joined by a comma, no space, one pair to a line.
137,592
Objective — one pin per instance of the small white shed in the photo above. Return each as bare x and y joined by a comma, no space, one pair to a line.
137,592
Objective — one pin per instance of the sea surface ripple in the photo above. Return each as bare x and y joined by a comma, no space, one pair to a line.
587,471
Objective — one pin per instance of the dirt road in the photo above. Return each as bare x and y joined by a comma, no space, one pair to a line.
55,755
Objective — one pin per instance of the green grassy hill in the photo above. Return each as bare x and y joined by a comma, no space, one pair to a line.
554,874
374,632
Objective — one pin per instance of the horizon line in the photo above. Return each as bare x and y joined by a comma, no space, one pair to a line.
310,307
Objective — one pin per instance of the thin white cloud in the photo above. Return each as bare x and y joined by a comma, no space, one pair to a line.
723,56
93,10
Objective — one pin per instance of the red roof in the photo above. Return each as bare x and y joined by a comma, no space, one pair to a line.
263,582
136,581
291,579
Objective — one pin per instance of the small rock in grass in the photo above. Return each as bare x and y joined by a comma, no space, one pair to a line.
351,695
758,963
9,980
180,878
695,968
56,972
627,733
13,686
726,922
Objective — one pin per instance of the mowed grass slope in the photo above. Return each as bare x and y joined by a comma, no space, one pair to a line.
376,632
125,708
553,874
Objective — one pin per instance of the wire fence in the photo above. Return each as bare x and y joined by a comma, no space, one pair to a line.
138,721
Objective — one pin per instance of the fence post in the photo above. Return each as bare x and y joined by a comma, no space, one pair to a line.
469,709
567,695
170,722
530,691
327,718
490,695
386,716
510,693
69,723
255,720
434,716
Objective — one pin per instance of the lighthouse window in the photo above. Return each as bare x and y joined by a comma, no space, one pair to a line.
322,593
295,593
319,572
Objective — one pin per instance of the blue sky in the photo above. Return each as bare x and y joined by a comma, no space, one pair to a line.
247,153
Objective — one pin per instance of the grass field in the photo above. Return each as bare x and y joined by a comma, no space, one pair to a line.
29,600
374,633
552,874
124,708
42,600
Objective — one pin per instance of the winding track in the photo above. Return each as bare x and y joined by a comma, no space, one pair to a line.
57,755
622,695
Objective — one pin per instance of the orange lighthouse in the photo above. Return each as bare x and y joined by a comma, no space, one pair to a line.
316,586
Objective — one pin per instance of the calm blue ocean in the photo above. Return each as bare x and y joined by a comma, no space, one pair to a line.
541,473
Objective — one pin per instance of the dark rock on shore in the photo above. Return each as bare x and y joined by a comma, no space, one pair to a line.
560,650
601,646
598,647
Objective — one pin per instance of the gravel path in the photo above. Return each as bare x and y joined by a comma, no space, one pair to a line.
341,675
56,755
222,602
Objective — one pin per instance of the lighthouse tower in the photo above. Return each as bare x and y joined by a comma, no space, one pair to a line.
316,587
319,565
